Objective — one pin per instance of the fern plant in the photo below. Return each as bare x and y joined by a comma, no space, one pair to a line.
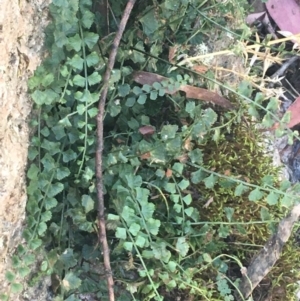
174,168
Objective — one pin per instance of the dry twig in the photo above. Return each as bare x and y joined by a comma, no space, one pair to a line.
100,116
269,254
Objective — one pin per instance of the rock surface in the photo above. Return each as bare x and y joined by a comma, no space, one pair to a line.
21,38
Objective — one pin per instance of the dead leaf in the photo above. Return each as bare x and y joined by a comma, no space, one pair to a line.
142,77
120,141
286,14
145,156
227,172
172,53
200,68
210,200
147,130
187,144
169,173
183,158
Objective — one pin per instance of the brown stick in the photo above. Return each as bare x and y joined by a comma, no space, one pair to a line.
101,107
269,254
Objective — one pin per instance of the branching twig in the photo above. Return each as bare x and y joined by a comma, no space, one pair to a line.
101,107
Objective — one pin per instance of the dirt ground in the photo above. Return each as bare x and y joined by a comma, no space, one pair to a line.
21,39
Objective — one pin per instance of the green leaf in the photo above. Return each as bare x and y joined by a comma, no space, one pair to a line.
197,176
16,288
46,216
68,258
210,181
60,38
170,187
245,88
32,153
88,203
265,214
207,258
184,184
137,90
128,246
138,57
58,131
32,172
71,282
189,211
29,259
172,266
146,88
35,243
223,231
15,261
48,80
87,19
147,210
153,225
60,3
62,172
135,182
160,251
196,156
90,39
42,227
46,97
24,271
55,189
69,155
272,198
134,229
76,62
75,42
168,132
94,78
92,112
92,59
240,189
44,266
81,108
142,99
287,201
268,120
284,185
153,95
130,101
182,246
52,147
255,195
123,90
79,80
121,233
50,203
273,104
178,167
140,241
10,276
229,213
149,23
253,111
4,297
286,117
187,199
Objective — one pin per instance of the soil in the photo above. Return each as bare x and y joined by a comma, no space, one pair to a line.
21,38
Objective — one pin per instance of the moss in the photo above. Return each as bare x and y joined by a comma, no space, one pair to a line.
241,155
